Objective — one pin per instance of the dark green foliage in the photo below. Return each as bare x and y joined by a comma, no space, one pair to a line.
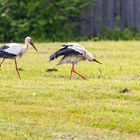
50,20
119,34
42,19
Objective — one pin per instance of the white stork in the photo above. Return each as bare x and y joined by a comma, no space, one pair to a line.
73,53
12,50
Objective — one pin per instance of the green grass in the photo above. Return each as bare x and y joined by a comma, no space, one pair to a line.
45,105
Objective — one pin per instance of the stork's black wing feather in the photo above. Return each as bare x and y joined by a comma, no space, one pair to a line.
4,47
63,51
4,54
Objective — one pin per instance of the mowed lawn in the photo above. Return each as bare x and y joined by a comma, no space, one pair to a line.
47,105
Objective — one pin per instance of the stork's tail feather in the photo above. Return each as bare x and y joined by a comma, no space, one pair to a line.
52,57
56,54
97,61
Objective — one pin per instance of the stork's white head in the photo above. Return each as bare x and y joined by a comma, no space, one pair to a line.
90,57
28,40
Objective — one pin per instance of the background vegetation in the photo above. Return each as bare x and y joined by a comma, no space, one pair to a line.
118,34
50,20
42,19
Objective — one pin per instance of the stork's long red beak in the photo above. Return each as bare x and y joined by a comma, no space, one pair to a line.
97,61
33,46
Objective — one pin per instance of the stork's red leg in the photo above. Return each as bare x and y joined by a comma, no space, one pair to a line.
2,62
72,69
17,68
79,74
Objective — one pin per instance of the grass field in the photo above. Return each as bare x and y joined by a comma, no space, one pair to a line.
47,105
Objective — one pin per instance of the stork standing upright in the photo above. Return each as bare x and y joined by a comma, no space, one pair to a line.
12,50
73,53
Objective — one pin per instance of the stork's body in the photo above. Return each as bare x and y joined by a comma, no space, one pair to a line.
73,53
12,50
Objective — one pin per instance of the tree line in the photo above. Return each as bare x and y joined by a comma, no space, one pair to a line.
44,20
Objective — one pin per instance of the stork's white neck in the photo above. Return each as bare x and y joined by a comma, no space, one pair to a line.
25,47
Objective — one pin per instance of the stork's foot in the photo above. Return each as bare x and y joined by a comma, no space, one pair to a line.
73,70
80,75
